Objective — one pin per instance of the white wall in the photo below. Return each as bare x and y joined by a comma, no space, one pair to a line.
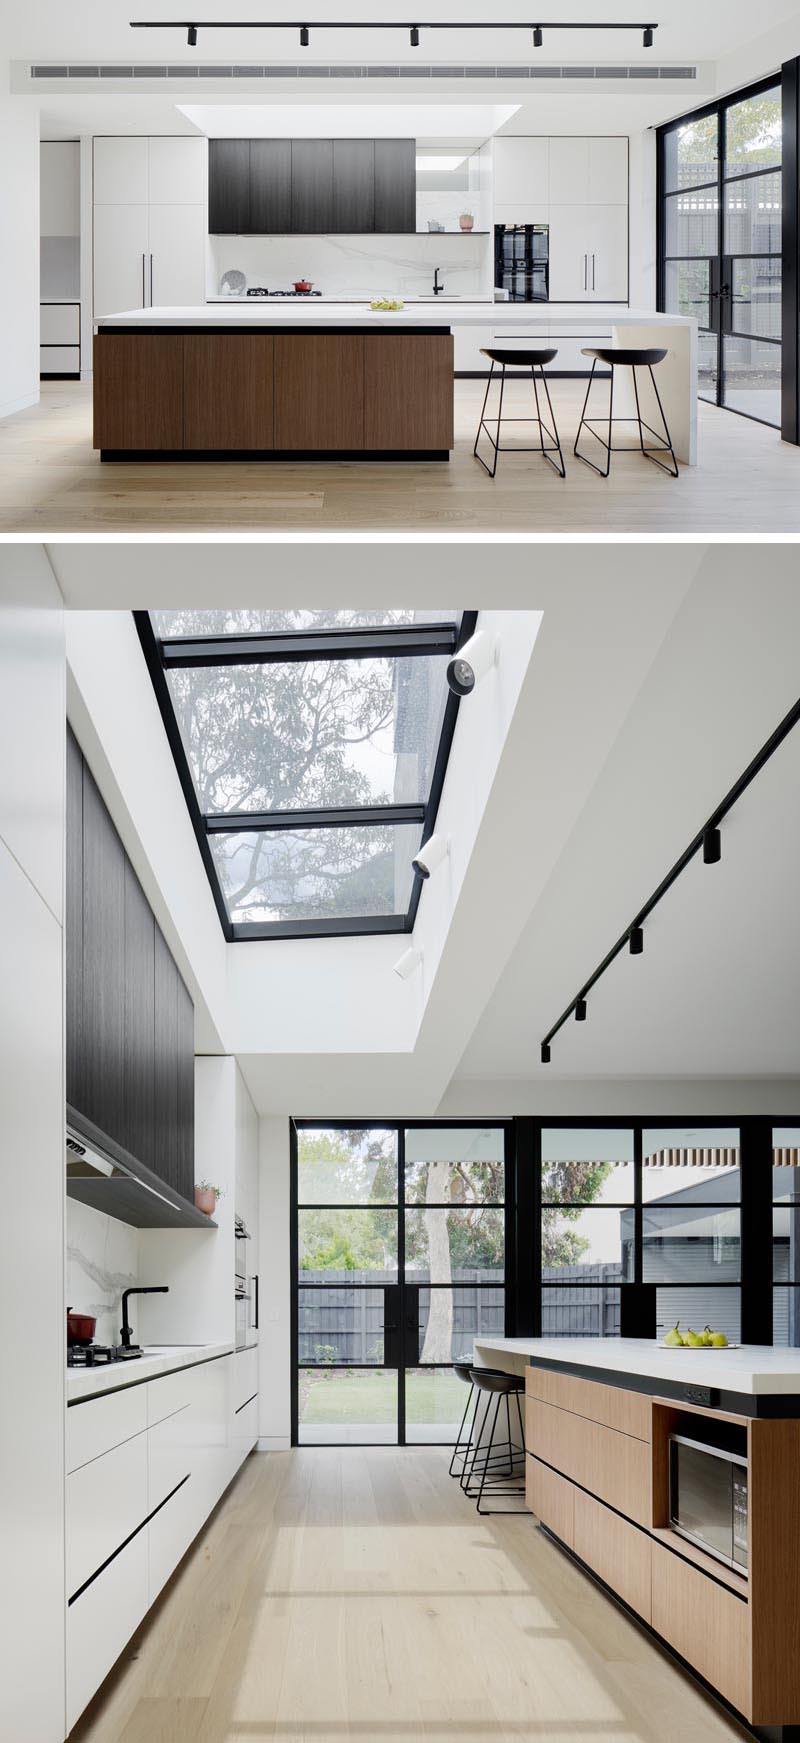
32,1364
275,1273
19,231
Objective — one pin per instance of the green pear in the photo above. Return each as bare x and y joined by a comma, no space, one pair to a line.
719,1340
695,1340
707,1336
674,1339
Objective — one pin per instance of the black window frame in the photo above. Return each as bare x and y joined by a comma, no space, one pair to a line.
788,422
390,641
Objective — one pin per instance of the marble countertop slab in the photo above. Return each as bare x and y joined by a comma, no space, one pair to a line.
289,312
157,1359
750,1368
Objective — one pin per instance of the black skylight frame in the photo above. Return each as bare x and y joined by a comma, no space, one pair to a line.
387,641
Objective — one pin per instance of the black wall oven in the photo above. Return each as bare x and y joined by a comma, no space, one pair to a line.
522,262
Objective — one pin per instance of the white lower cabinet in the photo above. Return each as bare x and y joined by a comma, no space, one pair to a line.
169,1534
101,1622
106,1501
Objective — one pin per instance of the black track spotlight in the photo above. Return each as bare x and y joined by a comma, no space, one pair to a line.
191,36
648,36
712,847
636,940
545,1052
538,37
580,1010
415,36
304,36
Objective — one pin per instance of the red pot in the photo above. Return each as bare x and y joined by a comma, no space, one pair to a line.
80,1327
303,286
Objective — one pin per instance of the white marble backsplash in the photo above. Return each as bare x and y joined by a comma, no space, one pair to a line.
102,1260
357,266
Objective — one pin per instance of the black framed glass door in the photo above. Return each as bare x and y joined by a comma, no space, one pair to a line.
399,1259
720,244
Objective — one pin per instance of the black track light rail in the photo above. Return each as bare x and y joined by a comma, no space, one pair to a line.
307,24
704,841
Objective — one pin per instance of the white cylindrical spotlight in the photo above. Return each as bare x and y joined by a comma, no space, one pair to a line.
433,854
408,963
472,662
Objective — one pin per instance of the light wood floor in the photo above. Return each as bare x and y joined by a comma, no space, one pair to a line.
355,1594
51,481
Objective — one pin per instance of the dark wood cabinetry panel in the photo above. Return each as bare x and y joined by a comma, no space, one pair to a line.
270,186
395,186
353,204
312,186
319,391
165,1158
228,391
184,1180
103,1014
139,1061
229,187
73,928
138,391
408,391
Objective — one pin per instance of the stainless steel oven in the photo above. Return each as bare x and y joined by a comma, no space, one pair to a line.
708,1498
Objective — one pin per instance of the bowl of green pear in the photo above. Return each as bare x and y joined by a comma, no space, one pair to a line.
695,1340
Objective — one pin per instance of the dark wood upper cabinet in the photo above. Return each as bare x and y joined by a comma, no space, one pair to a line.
229,187
312,186
165,1160
139,1063
103,1013
395,186
353,208
270,186
73,966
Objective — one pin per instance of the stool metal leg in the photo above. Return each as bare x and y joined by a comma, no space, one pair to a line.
492,470
601,472
544,429
457,1453
672,471
492,1484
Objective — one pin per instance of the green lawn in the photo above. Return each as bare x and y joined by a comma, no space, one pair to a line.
348,1397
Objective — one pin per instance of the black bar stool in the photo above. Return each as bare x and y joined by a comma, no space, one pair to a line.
501,1463
532,360
616,357
464,1448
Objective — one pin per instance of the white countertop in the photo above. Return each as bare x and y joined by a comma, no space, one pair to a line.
752,1368
293,311
157,1359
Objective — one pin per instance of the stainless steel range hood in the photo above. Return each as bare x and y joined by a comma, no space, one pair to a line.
102,1174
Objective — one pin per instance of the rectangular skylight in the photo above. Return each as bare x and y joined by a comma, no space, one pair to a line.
311,747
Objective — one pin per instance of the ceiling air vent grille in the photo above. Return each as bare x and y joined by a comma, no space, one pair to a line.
198,70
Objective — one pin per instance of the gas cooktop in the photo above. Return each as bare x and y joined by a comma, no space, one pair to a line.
98,1355
258,290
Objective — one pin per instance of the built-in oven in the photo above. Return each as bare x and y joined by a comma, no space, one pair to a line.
241,1287
522,262
708,1498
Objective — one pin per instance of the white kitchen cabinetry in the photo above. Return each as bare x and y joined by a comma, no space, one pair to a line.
149,222
579,188
106,1503
588,254
521,175
588,172
101,1622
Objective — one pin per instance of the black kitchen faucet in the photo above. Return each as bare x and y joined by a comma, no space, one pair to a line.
152,1289
437,287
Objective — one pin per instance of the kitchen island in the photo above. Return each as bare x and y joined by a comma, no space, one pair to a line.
599,1417
335,380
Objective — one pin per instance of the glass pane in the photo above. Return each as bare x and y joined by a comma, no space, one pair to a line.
451,1319
756,297
692,154
202,623
754,132
687,287
340,1326
580,1313
786,1242
359,1245
316,874
281,737
587,1245
693,1309
682,1163
690,1243
708,366
786,1163
455,1166
587,1166
753,216
448,1246
752,378
338,1405
786,1318
435,1400
335,1167
692,224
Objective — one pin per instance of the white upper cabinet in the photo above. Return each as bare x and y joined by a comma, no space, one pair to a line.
584,172
588,254
521,175
120,171
177,264
177,171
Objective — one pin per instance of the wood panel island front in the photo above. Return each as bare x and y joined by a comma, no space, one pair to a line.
599,1417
